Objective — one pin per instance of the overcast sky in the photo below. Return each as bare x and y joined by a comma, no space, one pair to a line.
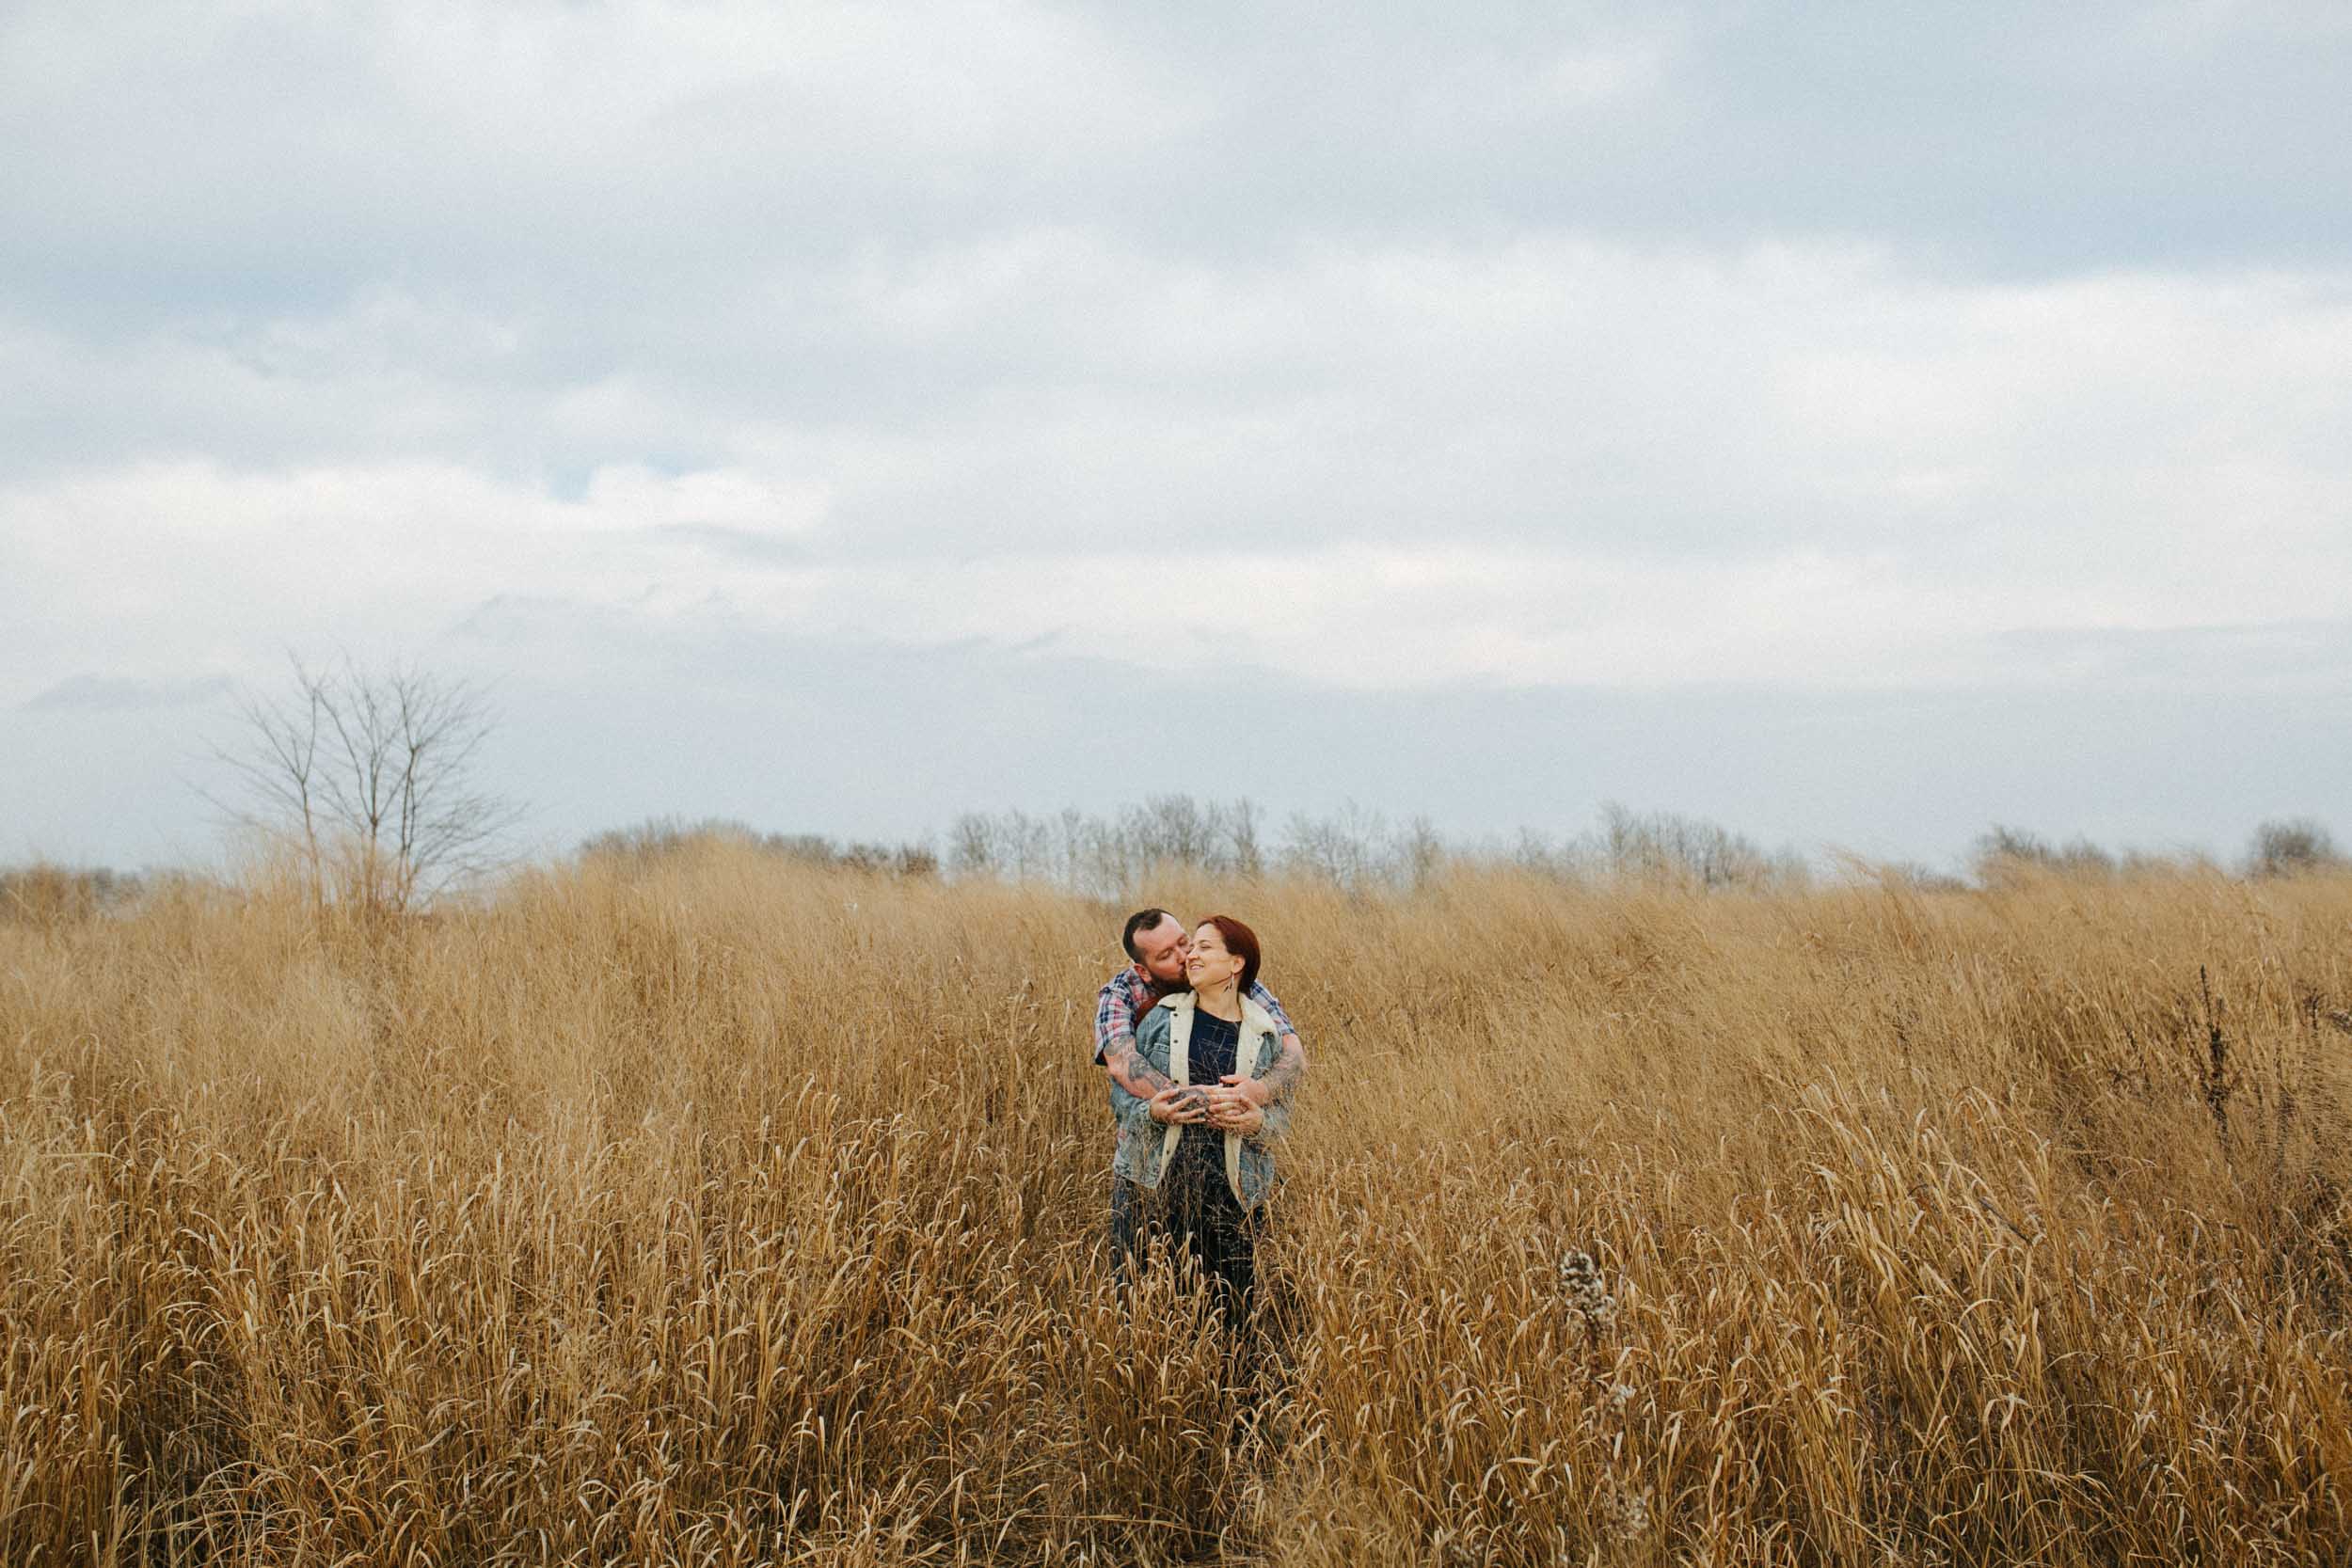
1856,423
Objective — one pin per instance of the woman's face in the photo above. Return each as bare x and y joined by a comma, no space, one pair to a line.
1209,962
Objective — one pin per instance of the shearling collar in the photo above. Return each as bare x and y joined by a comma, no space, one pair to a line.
1253,1017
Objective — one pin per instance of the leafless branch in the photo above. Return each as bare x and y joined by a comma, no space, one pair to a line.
368,776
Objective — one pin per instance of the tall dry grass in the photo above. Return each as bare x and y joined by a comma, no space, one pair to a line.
728,1211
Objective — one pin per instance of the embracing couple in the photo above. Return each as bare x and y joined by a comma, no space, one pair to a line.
1201,1061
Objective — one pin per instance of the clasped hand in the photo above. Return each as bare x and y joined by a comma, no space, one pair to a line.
1224,1105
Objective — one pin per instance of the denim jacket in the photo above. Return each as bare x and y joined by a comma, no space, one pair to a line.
1145,1145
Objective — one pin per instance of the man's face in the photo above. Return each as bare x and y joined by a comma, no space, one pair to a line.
1161,951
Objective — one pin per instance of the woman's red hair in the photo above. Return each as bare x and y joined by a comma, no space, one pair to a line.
1240,941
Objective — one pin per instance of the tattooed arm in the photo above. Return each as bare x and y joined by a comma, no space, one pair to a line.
1288,1069
1115,1049
1283,1076
1130,1071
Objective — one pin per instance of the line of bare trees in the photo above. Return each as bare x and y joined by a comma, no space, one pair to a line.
1354,847
365,780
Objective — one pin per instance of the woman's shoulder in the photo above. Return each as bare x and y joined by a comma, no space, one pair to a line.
1257,1020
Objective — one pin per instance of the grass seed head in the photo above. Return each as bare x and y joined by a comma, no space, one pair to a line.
1587,1291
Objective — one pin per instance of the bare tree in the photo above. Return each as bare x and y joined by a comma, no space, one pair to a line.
368,777
1664,845
972,847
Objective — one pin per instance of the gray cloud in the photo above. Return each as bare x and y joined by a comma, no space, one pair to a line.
249,160
122,693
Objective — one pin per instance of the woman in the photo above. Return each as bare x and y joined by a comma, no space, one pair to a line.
1199,1149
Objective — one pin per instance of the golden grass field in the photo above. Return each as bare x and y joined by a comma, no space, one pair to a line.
729,1212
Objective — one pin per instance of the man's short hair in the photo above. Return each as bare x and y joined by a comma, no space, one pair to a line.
1142,920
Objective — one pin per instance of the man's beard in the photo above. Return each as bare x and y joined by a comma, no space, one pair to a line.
1182,983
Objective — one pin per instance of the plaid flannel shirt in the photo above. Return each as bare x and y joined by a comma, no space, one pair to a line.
1132,992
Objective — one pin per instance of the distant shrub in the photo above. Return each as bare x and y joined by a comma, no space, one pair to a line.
661,838
895,860
1913,875
43,894
2286,846
2002,852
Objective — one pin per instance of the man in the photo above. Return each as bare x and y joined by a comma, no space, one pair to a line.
1157,942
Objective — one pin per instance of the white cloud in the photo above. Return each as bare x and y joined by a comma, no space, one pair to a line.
170,568
217,570
1546,462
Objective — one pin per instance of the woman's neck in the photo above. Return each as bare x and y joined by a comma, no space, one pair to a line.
1222,1000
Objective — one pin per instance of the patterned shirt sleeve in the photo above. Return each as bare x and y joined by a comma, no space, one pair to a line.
1264,998
1114,1013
